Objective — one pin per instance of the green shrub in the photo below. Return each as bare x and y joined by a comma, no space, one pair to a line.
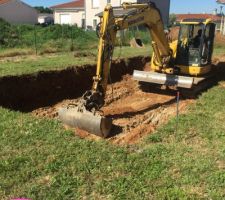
60,37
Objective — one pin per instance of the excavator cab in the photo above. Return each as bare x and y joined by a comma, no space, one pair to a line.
195,46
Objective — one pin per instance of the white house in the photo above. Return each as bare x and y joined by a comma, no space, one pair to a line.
17,12
92,7
83,12
72,13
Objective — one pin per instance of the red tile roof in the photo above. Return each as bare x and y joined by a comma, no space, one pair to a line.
221,1
4,1
198,16
72,4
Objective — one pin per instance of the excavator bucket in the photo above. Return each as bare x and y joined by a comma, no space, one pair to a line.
163,79
85,120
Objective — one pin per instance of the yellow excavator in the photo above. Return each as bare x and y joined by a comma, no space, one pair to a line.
184,63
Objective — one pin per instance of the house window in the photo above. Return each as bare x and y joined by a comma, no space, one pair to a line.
94,23
108,1
95,4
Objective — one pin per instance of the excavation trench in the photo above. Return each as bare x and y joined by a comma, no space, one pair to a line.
135,113
29,92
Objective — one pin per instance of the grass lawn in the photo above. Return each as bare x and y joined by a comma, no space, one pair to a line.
27,62
41,160
31,63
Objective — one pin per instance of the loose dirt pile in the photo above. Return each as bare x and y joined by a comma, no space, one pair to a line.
135,113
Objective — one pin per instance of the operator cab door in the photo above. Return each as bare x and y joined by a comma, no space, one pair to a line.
207,44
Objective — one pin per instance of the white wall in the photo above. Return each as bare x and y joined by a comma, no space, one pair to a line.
17,12
76,16
163,5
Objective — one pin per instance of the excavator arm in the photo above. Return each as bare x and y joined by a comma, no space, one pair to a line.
142,14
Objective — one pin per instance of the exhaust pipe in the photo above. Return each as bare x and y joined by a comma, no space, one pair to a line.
85,120
164,79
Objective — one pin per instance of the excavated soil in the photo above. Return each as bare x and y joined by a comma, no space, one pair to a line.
135,112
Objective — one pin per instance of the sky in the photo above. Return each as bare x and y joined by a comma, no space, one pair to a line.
177,6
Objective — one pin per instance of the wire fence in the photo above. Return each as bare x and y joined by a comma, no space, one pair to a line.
56,38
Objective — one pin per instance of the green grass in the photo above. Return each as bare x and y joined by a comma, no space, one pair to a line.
41,160
32,63
24,61
219,50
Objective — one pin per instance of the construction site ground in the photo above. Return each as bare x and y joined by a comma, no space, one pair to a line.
135,113
41,159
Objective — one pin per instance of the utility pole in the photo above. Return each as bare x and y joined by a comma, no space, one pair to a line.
223,25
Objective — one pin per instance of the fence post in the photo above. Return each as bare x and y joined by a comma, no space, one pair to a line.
177,111
223,26
35,39
72,47
62,33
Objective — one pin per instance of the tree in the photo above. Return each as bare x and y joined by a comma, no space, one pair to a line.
172,19
42,9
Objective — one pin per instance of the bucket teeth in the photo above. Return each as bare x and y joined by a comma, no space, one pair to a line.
86,120
164,79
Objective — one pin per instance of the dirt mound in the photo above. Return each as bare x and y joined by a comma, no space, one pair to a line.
135,113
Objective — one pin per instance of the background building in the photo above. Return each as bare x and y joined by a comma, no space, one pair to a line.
18,12
83,12
93,7
72,13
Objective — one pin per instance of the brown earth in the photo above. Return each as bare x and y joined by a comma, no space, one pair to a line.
135,113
